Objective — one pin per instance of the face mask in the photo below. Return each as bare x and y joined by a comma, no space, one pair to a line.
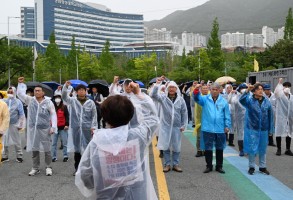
287,90
58,100
242,91
10,96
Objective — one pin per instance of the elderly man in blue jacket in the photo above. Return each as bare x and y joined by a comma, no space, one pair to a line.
216,121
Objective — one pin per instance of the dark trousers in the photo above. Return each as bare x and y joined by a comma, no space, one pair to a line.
288,142
77,157
209,158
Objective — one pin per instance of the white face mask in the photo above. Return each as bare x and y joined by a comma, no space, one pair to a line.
287,90
10,96
58,100
242,91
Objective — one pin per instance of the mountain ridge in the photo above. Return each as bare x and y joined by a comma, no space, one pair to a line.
233,15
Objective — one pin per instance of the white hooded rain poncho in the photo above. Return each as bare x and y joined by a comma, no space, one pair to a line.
174,117
81,119
41,119
17,120
115,163
284,113
237,115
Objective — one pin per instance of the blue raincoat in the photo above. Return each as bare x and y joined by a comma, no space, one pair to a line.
258,123
215,118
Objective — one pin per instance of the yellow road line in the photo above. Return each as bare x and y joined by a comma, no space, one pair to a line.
161,180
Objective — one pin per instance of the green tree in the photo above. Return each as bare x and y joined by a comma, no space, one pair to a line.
72,59
18,58
88,67
145,68
53,59
106,59
288,32
214,48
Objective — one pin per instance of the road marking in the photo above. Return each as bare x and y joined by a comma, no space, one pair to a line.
245,186
161,179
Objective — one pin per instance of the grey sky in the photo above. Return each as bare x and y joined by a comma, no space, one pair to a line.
151,9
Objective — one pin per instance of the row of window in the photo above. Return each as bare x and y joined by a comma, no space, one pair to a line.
95,27
97,17
88,21
96,32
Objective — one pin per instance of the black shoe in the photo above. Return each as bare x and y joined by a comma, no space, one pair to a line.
54,159
4,160
24,148
278,153
193,126
251,171
65,159
231,145
19,160
198,154
207,170
288,153
264,171
220,170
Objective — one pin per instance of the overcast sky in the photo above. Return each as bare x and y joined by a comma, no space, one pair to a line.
151,9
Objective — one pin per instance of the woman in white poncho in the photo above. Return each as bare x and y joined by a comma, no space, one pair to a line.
284,116
114,165
17,122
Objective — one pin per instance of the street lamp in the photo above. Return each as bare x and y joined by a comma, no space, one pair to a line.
8,39
201,45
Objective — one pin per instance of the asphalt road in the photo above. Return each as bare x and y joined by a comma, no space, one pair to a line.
191,184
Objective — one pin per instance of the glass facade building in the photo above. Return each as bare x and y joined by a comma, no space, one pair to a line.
27,22
91,24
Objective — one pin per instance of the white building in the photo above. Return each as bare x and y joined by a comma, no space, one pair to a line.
281,33
254,40
193,40
229,40
158,35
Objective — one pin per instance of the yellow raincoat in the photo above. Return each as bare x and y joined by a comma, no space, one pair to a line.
4,122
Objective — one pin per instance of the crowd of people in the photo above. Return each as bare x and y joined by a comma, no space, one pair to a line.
110,136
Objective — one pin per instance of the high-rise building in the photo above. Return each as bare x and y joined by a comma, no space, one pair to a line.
238,39
162,35
27,22
270,36
254,40
193,40
226,40
281,33
91,24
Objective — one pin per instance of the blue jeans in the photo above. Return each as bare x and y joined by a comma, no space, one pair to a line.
262,160
167,158
64,136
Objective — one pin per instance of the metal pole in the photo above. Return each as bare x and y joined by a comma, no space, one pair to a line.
60,78
8,53
34,64
76,67
199,65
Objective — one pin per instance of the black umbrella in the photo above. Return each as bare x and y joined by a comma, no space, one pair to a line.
188,85
101,85
154,80
48,91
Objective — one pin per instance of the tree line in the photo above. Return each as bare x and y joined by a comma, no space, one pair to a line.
204,63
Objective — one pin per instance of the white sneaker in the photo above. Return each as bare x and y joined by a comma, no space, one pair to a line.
49,171
34,172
